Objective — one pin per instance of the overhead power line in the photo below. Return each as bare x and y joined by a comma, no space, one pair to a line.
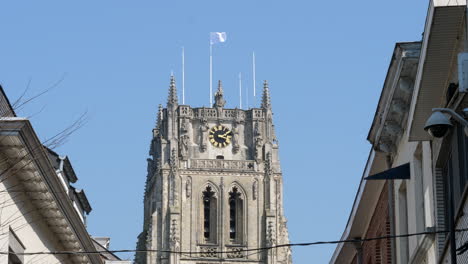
237,250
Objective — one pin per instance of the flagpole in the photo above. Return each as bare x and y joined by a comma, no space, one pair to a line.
253,70
211,74
183,76
240,90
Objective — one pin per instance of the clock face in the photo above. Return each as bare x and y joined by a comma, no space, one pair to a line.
220,136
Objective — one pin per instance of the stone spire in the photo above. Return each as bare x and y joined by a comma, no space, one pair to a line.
266,101
219,100
172,99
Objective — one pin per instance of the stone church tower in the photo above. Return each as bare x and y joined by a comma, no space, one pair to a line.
214,186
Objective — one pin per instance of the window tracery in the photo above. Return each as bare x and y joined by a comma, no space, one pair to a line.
235,215
209,215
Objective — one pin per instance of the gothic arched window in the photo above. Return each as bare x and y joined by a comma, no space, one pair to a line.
235,216
209,215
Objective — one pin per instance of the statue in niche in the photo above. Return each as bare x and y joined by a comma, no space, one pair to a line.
235,138
183,127
258,142
203,134
184,142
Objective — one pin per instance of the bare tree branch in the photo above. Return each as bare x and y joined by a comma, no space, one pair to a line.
20,102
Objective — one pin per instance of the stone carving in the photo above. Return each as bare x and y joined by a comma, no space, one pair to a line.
206,113
222,164
219,100
269,165
149,235
173,161
188,187
183,127
184,110
283,230
173,195
184,139
208,252
258,142
235,252
257,113
227,114
183,145
173,236
235,138
270,234
255,190
203,134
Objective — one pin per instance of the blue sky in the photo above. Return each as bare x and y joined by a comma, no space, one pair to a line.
325,61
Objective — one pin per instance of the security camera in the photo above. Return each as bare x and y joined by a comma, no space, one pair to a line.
438,125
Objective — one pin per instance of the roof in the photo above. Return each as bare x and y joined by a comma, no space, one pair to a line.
105,253
62,163
82,199
5,107
442,32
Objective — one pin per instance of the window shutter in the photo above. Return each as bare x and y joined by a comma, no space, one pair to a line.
440,209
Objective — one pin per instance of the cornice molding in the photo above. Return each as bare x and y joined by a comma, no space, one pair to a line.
22,130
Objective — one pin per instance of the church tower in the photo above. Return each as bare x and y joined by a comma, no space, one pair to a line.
214,186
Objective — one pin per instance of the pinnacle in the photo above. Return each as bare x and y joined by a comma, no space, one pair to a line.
219,100
266,101
172,98
220,88
159,117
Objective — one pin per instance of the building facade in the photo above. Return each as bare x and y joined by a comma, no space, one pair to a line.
214,186
422,76
40,210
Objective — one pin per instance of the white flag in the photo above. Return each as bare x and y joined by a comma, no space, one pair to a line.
217,37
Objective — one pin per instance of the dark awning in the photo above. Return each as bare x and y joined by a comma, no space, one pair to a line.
401,172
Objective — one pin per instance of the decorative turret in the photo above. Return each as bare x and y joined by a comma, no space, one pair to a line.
266,101
172,99
219,100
